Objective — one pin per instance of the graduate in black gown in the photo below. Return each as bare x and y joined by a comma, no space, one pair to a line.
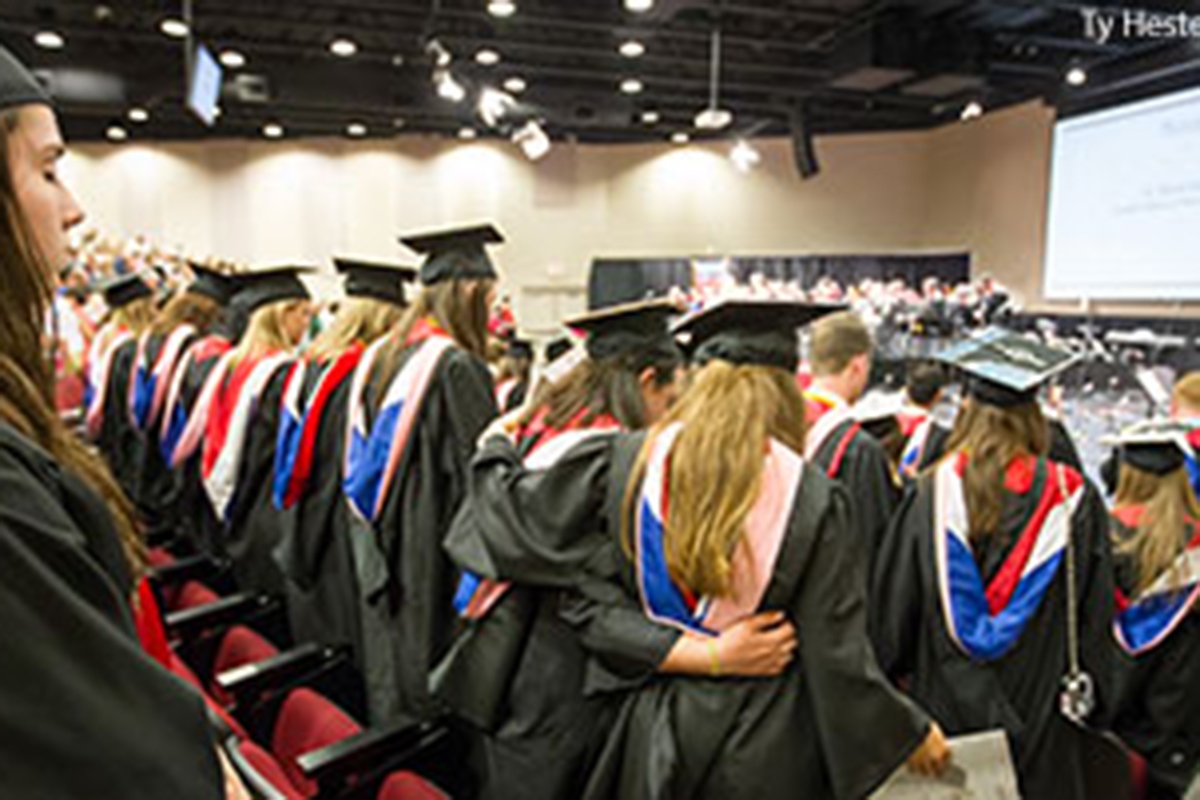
1156,536
840,357
315,552
624,525
970,590
924,438
517,670
110,371
512,382
186,318
84,712
419,399
234,427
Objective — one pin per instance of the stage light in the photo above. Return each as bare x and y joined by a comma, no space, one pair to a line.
447,87
1077,76
533,140
502,8
273,130
631,86
232,59
356,130
486,57
138,114
175,28
343,47
679,137
515,85
116,133
651,117
49,40
639,6
632,49
441,56
744,156
467,133
494,105
713,119
972,110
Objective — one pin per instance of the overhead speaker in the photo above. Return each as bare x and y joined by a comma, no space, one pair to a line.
802,145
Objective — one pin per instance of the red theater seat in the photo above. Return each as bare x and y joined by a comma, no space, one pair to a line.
270,770
193,594
409,786
308,721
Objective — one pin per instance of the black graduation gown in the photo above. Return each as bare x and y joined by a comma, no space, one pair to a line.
526,661
867,474
1019,691
406,582
119,441
195,521
1158,706
935,446
314,552
830,726
85,712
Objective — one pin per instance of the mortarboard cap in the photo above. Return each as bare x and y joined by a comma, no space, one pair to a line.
265,286
638,327
556,347
1004,368
744,331
1156,446
457,253
18,87
377,281
520,348
124,289
209,283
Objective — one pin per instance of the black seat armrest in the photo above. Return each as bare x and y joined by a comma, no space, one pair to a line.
249,683
190,623
199,567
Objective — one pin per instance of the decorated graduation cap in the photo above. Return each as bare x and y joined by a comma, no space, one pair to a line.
638,327
745,331
209,283
520,348
376,281
18,87
457,253
1156,446
274,285
1004,368
124,289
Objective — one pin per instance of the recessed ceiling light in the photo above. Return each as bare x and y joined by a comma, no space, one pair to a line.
175,28
138,114
639,6
356,129
398,60
971,110
467,133
632,49
515,85
486,57
1077,76
272,130
679,137
116,133
343,47
502,8
631,86
49,40
399,122
232,59
651,117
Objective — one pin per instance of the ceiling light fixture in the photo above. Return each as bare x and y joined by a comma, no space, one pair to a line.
639,6
714,118
139,114
486,57
447,87
116,133
972,110
744,156
232,59
679,137
175,28
273,130
494,105
515,85
356,129
501,8
651,117
343,47
467,133
632,49
49,40
441,56
631,86
533,140
1077,76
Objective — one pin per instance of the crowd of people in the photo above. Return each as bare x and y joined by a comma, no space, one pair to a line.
670,562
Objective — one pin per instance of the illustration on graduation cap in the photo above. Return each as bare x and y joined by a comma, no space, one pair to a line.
1147,618
300,417
152,376
118,292
374,448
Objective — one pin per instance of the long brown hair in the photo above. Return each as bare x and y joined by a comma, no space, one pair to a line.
186,308
1169,508
26,375
264,332
136,316
603,386
729,414
993,437
359,320
458,305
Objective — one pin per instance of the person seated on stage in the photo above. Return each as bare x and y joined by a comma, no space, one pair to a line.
925,383
1156,537
975,605
84,710
840,360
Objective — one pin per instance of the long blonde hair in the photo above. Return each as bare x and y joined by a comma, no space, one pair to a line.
729,414
264,332
1169,508
359,320
993,437
136,316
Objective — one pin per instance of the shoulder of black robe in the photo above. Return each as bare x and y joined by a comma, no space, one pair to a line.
935,446
867,473
683,736
83,706
1062,446
119,441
